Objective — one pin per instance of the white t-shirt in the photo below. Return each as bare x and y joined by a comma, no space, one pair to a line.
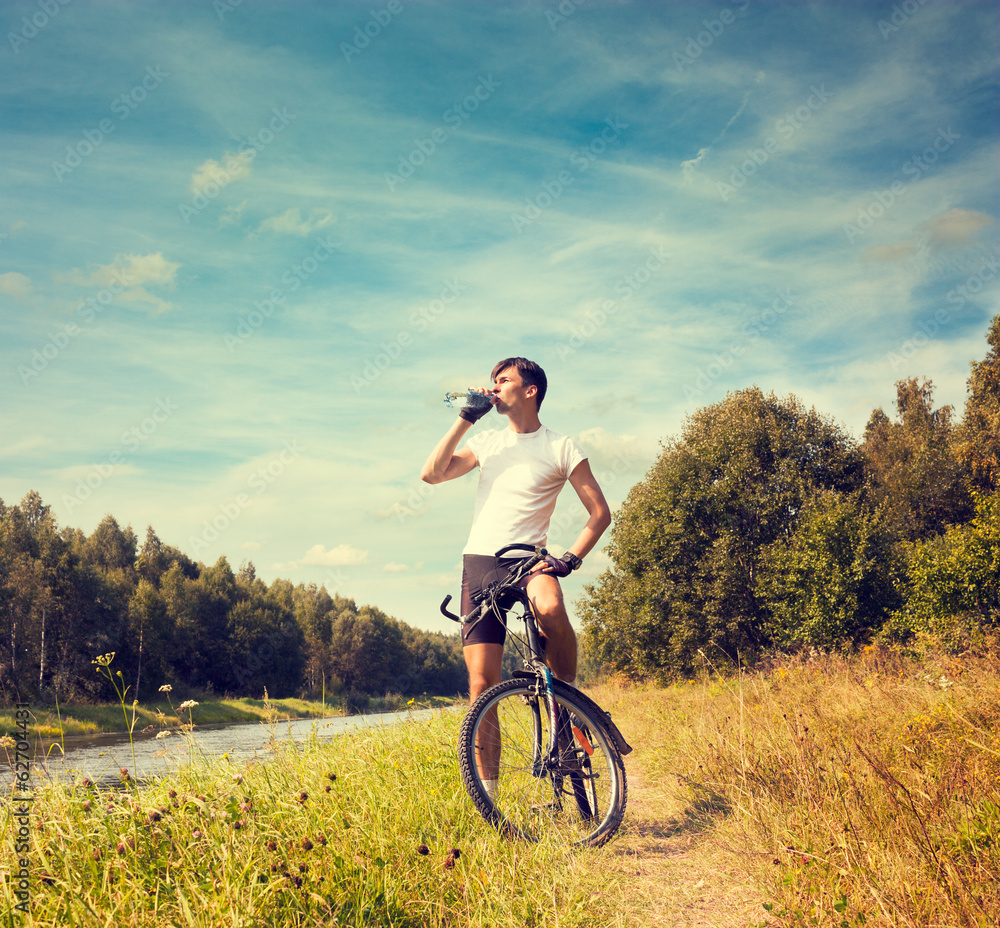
520,476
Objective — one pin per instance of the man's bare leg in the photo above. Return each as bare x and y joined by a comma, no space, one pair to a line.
550,611
483,663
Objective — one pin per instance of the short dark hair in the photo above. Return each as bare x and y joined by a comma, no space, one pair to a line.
531,375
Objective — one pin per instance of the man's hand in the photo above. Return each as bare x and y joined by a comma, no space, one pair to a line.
474,413
561,567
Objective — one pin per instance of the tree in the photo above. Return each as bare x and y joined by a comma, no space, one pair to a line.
265,644
955,580
112,548
152,633
978,440
688,543
912,470
367,650
837,579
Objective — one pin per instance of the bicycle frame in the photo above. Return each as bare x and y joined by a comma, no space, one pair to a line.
535,666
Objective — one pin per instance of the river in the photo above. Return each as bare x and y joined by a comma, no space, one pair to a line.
101,757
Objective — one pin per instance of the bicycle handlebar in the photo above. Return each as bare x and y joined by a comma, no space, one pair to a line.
516,573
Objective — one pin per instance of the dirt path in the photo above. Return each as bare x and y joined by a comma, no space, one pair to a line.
676,872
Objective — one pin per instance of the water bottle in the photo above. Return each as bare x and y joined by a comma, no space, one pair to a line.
471,399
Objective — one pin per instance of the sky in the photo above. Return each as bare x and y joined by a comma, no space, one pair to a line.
247,247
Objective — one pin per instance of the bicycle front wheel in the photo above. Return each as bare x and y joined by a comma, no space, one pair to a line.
576,797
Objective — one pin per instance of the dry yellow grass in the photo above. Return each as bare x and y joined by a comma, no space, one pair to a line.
836,791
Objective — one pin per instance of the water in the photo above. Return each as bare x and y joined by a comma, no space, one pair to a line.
472,399
101,757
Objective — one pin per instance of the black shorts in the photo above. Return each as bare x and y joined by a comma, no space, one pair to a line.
478,572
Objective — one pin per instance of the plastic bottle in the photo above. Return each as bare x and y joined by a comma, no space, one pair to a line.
467,398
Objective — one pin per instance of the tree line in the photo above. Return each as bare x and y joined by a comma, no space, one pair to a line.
66,598
765,527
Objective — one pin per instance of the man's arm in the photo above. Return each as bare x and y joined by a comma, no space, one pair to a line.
592,497
445,463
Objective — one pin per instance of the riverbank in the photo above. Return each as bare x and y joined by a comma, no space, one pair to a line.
51,722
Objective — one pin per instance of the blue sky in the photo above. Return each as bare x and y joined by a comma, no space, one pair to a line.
245,248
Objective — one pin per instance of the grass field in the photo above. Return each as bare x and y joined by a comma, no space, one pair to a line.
826,791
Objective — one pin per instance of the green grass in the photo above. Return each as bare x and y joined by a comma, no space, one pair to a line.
283,843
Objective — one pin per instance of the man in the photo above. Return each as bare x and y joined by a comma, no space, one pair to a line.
521,470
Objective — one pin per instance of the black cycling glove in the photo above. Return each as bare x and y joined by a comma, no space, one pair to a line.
476,409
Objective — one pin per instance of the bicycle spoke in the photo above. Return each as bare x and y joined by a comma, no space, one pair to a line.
576,796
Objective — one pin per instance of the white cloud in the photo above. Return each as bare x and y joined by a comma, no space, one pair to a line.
290,222
392,568
130,272
221,174
341,556
232,214
15,285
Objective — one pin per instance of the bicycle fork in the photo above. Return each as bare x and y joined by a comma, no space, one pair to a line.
549,759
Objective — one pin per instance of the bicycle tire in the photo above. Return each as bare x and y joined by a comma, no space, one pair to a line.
534,801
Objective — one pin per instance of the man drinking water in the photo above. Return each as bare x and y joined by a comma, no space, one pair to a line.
522,469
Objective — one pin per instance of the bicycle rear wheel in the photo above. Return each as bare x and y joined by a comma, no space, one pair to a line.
577,799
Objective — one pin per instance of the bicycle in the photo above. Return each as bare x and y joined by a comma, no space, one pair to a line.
555,756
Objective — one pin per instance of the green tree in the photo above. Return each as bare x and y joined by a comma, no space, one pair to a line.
151,633
312,613
265,643
688,543
367,650
198,609
978,440
913,472
836,579
955,580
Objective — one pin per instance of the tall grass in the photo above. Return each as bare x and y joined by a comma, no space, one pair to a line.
373,828
826,791
849,792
